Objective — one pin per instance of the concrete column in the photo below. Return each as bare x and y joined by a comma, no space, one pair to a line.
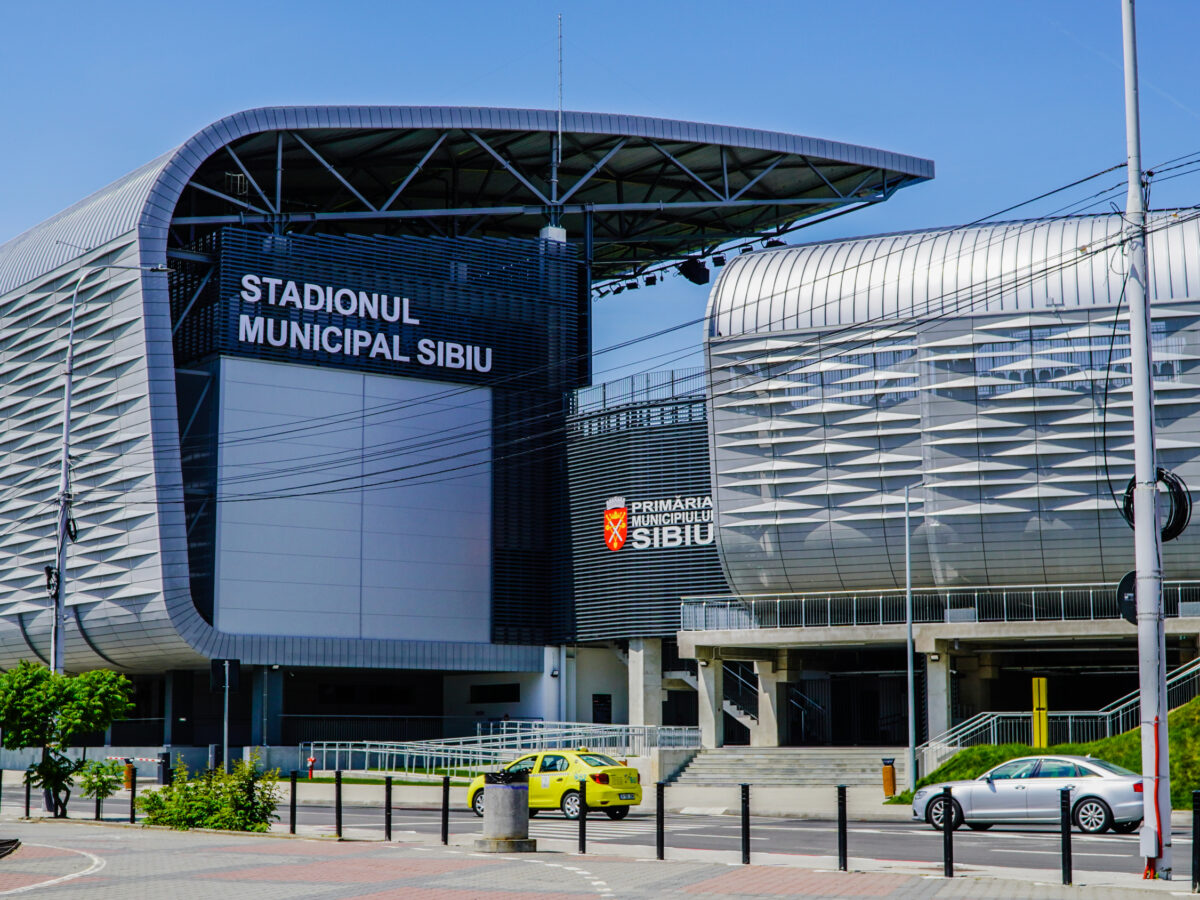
266,706
645,681
937,691
768,731
712,697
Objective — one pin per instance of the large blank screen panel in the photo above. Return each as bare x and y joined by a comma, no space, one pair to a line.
352,505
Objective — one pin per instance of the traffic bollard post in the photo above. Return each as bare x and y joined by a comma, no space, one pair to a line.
1,784
292,805
843,860
98,808
1064,821
947,833
133,799
387,808
583,816
1195,845
745,824
445,809
337,802
660,791
27,792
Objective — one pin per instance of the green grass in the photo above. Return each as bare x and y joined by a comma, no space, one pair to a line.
1122,749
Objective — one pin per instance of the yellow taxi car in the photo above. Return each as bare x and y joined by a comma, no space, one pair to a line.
555,778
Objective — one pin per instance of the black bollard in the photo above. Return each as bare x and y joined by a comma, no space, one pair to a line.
98,807
1064,818
660,791
843,858
1,784
583,817
745,824
133,798
947,834
387,808
337,802
1195,843
292,804
445,809
27,792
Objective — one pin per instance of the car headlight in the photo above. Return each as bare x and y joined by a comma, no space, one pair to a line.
919,794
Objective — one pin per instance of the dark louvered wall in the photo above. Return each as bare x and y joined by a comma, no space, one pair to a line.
644,439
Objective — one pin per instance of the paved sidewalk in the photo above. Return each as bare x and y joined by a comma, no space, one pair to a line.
79,860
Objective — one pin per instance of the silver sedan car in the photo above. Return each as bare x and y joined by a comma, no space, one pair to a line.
1027,791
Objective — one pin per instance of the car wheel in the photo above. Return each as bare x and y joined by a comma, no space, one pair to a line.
477,803
570,804
936,812
1126,827
617,812
1093,816
980,826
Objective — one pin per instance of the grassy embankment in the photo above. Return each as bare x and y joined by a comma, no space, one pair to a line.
1122,749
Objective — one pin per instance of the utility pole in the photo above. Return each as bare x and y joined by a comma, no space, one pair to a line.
908,620
1152,671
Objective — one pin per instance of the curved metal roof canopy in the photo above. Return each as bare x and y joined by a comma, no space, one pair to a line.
633,190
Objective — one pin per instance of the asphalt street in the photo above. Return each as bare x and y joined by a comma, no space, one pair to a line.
1022,847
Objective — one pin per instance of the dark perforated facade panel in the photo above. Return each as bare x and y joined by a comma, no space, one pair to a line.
642,531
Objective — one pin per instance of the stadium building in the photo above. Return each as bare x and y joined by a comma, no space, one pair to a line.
333,417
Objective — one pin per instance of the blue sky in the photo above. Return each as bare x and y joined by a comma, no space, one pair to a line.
1009,97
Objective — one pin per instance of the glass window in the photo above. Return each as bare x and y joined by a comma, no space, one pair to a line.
552,762
1057,768
522,765
1018,768
598,760
1106,766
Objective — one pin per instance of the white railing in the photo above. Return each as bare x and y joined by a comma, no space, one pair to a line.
1064,727
497,744
1001,603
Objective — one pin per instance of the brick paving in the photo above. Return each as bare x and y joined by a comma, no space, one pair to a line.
77,860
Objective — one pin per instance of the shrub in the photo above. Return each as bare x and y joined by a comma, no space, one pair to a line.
100,779
243,800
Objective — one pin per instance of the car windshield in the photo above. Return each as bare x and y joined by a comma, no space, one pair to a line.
598,760
1112,768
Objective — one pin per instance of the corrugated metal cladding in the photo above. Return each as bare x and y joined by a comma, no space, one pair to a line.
643,440
511,300
1011,426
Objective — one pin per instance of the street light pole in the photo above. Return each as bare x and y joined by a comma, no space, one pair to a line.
1156,832
908,621
55,575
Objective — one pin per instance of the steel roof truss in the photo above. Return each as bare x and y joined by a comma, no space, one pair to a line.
708,187
250,178
753,181
223,196
334,172
594,169
415,171
512,170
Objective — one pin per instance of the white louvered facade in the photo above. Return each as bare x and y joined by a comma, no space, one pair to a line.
988,368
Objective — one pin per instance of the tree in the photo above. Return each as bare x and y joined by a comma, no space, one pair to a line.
41,709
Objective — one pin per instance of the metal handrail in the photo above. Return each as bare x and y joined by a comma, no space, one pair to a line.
1082,725
994,603
469,756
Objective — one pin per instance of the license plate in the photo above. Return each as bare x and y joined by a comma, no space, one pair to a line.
626,796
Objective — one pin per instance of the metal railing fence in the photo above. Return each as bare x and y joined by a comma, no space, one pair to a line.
497,744
1064,727
1016,603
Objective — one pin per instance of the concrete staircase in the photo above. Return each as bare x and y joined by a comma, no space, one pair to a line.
801,766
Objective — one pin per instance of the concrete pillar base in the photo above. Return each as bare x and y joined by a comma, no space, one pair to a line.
501,845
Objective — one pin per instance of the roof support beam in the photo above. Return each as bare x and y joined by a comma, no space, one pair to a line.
593,170
416,169
821,175
195,296
753,181
510,168
234,200
334,172
700,181
250,178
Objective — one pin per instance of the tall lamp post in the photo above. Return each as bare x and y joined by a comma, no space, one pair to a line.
66,525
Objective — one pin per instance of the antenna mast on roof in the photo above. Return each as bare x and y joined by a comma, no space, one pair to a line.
556,155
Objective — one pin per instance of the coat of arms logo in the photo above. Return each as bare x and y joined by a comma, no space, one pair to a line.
616,521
